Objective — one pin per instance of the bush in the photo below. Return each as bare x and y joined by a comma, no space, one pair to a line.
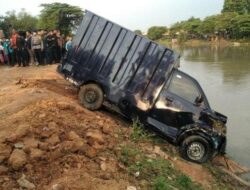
156,32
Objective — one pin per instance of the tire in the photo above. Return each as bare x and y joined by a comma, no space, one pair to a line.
91,96
196,149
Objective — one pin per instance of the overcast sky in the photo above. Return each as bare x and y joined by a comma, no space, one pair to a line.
133,14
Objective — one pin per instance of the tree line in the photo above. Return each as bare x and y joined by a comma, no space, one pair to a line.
52,16
232,23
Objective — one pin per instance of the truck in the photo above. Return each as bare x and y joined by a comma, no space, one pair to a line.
113,66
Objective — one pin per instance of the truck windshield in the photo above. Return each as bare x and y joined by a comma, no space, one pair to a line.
187,88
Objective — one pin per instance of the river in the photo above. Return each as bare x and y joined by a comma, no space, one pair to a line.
224,74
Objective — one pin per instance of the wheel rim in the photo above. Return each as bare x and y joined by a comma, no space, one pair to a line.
196,151
90,96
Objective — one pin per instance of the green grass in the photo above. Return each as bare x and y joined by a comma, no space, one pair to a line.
159,173
139,133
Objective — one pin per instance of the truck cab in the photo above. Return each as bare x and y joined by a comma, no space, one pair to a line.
183,114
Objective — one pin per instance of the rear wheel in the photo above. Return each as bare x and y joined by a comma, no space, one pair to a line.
196,149
91,96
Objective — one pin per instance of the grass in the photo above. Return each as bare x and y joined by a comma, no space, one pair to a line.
159,173
139,133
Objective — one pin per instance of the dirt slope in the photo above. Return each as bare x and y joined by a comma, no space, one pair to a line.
48,141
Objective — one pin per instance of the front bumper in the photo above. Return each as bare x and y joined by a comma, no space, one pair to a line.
222,147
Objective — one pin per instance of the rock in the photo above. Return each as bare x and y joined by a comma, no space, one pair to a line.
30,143
19,145
102,158
5,152
57,187
90,152
3,170
43,146
52,125
23,182
72,136
103,166
17,159
36,153
64,106
157,150
21,131
94,138
57,153
106,129
42,115
112,143
72,146
111,165
106,176
53,140
29,168
131,188
136,174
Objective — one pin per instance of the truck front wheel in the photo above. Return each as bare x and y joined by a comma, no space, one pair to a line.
196,149
91,96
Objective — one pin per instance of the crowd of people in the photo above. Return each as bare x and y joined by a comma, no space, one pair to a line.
39,47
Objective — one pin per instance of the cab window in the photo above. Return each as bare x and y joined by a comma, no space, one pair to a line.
182,86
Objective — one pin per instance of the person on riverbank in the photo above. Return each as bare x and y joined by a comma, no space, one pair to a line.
37,47
22,58
29,49
14,47
7,50
51,47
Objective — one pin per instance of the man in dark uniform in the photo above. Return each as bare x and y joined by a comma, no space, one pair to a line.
22,58
51,47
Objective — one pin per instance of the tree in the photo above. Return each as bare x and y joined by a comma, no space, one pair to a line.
25,21
21,21
139,32
242,27
60,15
207,27
156,32
237,6
225,24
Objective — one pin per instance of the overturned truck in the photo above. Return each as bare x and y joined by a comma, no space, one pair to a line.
137,77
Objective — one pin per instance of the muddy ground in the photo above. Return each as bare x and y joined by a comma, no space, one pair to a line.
48,141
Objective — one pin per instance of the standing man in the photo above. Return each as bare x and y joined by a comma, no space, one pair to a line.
51,47
14,47
28,45
37,47
56,47
21,51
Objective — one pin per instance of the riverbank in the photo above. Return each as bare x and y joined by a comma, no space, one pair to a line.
48,141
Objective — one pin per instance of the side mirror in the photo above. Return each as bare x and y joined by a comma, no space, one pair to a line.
198,100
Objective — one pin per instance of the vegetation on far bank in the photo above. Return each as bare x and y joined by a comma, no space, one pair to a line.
232,24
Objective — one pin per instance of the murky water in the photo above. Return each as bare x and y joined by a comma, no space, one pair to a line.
224,74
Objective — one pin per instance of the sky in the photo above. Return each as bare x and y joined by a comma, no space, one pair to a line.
132,14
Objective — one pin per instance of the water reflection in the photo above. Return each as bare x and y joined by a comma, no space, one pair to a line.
234,62
224,74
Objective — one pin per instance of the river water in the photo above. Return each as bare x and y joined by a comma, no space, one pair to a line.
224,74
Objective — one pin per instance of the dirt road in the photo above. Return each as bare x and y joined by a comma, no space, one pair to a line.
48,141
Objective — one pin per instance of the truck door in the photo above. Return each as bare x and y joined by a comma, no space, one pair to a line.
179,103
